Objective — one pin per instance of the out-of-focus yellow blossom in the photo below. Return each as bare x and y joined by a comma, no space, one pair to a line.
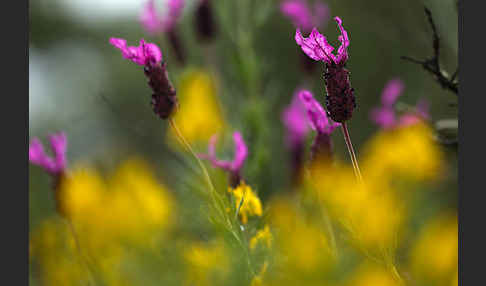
199,116
54,248
205,262
434,255
251,205
369,274
128,205
258,279
370,211
408,151
300,242
61,262
263,236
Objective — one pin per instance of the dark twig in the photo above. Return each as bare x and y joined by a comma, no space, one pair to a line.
432,64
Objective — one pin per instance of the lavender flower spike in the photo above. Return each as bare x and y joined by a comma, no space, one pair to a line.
322,146
164,100
233,167
54,166
340,99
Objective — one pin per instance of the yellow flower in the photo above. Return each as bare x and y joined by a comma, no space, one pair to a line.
53,247
434,255
369,274
262,236
408,151
127,205
258,279
371,212
251,205
61,262
300,242
205,261
199,116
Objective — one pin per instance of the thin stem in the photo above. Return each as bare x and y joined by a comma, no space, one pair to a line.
349,145
80,253
181,138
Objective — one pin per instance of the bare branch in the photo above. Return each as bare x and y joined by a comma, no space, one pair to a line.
432,65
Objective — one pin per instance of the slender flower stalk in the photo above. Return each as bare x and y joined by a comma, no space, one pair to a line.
352,154
164,101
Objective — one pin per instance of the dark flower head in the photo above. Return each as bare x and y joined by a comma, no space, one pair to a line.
164,100
340,99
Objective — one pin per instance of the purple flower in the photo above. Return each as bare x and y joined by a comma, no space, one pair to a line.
151,21
233,167
321,148
55,165
295,120
340,99
385,115
317,48
300,13
317,115
146,54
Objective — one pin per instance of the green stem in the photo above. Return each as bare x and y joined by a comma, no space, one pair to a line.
352,154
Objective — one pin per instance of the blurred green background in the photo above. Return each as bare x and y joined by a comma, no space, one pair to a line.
80,84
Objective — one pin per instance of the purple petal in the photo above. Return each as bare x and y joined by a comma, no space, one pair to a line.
295,120
149,18
393,89
241,152
175,8
342,54
38,157
144,54
298,12
317,115
211,156
59,147
315,46
384,117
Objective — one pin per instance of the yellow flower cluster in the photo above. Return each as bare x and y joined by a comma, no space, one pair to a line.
408,152
102,215
205,261
200,115
263,236
129,205
250,203
300,241
435,253
371,212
